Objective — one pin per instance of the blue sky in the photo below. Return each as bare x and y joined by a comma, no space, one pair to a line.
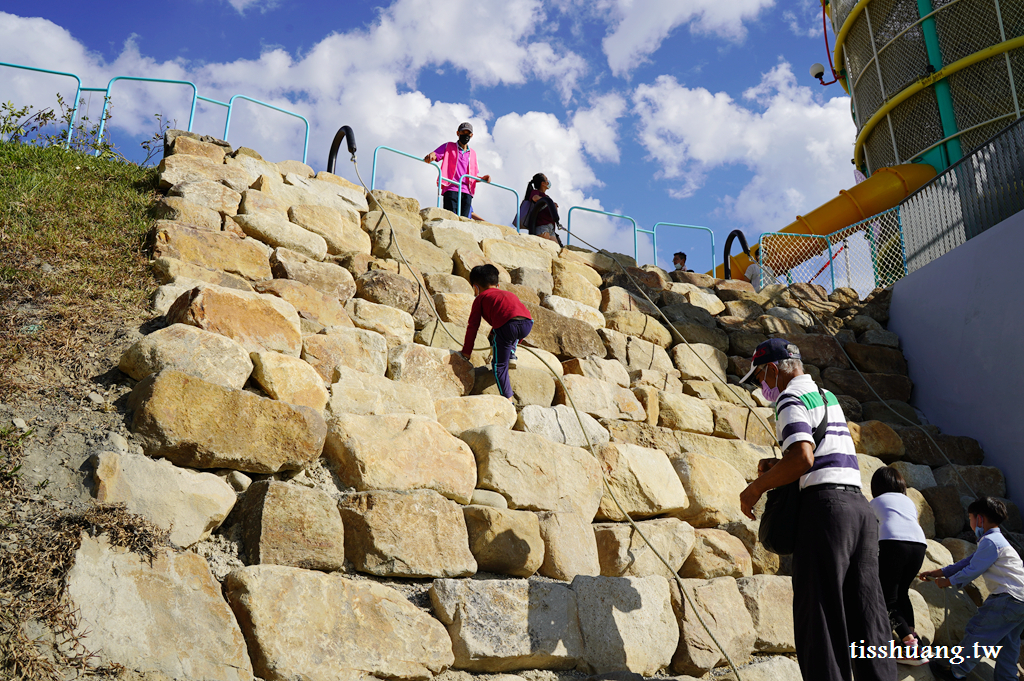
689,111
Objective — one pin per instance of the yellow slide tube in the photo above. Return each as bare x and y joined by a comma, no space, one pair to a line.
883,190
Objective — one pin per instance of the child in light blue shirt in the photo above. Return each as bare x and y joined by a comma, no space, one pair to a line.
996,628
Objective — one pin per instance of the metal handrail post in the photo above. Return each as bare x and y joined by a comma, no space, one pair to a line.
568,222
373,168
78,92
106,98
231,105
493,184
654,242
674,224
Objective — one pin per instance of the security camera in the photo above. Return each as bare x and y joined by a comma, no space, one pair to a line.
817,71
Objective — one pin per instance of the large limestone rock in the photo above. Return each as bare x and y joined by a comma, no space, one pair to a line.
443,372
201,425
560,424
819,349
356,392
683,412
213,195
746,530
131,610
503,541
598,398
574,310
694,295
635,353
284,524
616,299
563,336
322,308
511,256
356,349
607,370
949,609
170,270
627,624
400,452
212,250
529,386
459,414
397,326
639,325
786,668
702,362
289,379
570,547
720,605
950,516
877,439
983,480
769,600
534,473
868,465
190,350
255,322
877,359
339,229
624,553
406,534
421,254
741,455
188,504
716,553
849,382
278,233
643,482
925,515
507,625
963,451
712,487
917,476
394,290
302,624
447,283
328,278
182,144
576,287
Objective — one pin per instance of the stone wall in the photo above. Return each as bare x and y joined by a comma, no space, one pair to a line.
388,515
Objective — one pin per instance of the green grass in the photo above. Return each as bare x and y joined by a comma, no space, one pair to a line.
72,249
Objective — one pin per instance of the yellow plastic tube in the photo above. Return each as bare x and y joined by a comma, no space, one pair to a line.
883,190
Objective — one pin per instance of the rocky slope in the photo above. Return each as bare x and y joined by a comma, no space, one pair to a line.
349,498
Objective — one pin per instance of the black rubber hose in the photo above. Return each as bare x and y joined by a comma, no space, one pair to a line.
728,247
344,133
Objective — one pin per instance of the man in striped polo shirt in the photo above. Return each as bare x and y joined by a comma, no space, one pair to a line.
837,596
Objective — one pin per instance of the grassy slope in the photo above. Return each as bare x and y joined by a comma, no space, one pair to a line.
72,239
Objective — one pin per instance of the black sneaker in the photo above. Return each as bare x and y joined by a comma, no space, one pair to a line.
940,670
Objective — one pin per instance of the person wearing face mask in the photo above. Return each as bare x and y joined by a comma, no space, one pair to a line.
679,260
837,596
457,159
997,626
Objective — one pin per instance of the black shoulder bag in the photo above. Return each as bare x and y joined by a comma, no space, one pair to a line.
777,532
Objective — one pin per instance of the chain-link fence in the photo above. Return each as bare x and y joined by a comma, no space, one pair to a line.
977,193
863,256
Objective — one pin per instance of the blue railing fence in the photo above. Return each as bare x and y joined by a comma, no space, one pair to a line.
192,111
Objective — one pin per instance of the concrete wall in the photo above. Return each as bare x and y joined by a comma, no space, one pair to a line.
960,319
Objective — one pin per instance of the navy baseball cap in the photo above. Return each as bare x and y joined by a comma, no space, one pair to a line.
772,350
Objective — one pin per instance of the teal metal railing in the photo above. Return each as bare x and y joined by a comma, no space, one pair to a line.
568,223
373,170
491,184
654,236
192,111
231,105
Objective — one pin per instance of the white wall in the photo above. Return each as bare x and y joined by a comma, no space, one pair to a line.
960,319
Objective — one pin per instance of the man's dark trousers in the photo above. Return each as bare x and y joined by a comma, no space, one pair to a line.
451,201
837,597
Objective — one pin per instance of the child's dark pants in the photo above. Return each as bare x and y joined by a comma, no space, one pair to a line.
503,342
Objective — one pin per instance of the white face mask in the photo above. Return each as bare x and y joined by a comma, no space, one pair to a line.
680,266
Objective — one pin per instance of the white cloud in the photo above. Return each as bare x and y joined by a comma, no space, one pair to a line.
242,5
796,146
638,27
806,21
366,78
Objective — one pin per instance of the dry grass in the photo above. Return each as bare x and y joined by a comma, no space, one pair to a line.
37,550
72,251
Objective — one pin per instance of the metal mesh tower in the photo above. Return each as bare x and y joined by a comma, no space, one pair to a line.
930,79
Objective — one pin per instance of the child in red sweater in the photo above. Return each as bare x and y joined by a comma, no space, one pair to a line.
509,319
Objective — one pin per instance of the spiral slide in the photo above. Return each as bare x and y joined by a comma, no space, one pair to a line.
884,189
